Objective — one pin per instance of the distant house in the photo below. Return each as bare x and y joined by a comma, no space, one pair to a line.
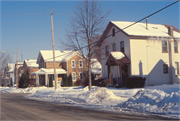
9,75
96,68
67,62
148,50
30,66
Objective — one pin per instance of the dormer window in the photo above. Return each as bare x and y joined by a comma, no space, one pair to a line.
113,32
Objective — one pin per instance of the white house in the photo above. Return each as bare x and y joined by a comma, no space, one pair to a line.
150,50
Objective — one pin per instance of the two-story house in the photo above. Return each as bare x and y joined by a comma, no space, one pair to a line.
148,50
67,62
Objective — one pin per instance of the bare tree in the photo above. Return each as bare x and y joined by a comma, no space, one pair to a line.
86,24
4,59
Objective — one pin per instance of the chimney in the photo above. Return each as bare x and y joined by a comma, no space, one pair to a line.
146,24
170,31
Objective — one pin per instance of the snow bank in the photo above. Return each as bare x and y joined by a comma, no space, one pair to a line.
153,101
98,95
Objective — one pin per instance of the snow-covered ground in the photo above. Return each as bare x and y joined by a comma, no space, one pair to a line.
155,100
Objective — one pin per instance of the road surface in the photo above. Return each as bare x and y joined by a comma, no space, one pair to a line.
16,107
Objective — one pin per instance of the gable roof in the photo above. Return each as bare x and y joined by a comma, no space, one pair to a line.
63,56
31,63
139,29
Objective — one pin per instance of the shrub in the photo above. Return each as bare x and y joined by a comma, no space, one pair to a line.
65,80
135,82
70,80
50,82
24,81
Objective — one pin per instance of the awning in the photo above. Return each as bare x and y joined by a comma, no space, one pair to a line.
48,71
117,58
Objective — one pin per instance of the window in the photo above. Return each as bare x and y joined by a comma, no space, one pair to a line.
165,68
113,32
80,64
176,68
164,46
44,64
122,46
114,47
80,75
175,46
73,76
73,63
107,50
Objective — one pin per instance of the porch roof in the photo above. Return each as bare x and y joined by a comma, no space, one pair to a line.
117,58
48,71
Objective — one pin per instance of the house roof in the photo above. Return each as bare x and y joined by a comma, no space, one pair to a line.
95,66
49,71
63,56
11,67
117,58
139,29
31,63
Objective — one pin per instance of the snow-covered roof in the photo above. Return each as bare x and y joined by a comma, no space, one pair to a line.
95,66
11,67
139,29
59,56
31,63
49,71
95,63
117,55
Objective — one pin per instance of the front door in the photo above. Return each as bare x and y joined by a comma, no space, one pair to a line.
124,70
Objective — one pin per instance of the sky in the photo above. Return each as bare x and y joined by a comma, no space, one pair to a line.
26,25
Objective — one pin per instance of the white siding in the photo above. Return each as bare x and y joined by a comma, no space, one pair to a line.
110,41
147,54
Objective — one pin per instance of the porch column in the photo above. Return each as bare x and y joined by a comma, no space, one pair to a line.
118,76
46,78
37,79
109,73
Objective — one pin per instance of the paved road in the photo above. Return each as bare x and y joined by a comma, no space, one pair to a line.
16,107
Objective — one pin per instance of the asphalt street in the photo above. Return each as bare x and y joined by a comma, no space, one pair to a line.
17,107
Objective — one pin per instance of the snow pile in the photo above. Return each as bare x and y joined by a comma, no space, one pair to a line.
154,101
98,95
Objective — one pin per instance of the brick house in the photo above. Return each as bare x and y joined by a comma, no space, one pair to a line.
67,62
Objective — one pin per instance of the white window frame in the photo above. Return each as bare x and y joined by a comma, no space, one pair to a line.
79,64
80,75
72,64
73,76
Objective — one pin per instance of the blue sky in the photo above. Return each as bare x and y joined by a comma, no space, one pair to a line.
26,25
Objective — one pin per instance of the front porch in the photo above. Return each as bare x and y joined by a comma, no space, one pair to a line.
43,75
122,64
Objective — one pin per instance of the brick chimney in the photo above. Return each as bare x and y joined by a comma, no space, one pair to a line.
170,31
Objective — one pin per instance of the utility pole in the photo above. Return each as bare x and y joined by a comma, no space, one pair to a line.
17,69
53,50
